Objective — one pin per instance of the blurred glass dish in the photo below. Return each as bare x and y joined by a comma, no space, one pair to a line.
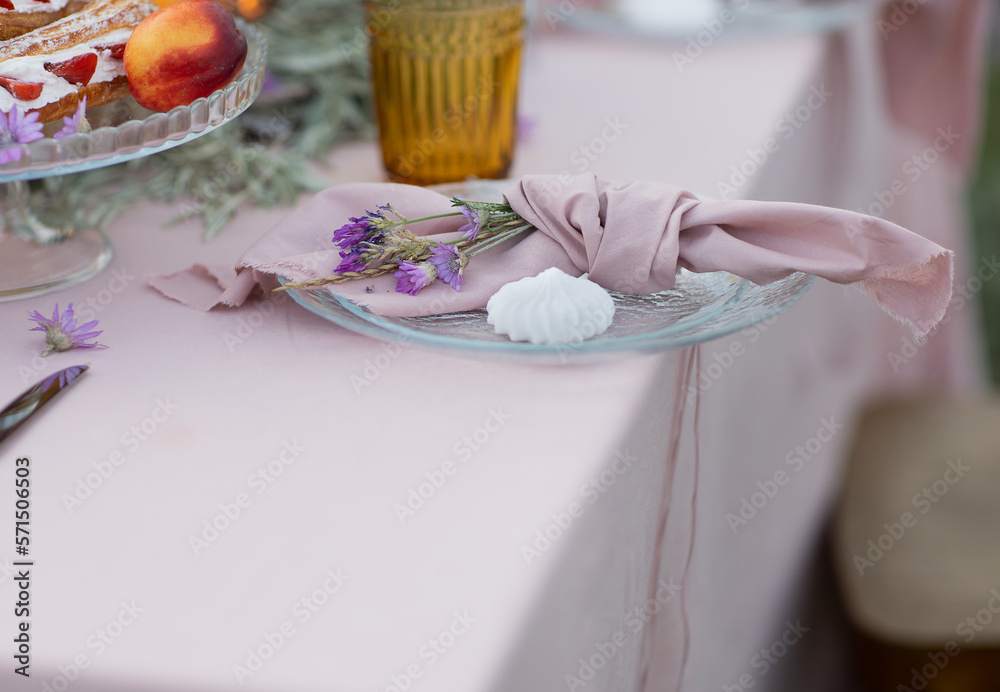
682,19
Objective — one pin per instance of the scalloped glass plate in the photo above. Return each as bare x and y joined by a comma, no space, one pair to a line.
124,130
698,308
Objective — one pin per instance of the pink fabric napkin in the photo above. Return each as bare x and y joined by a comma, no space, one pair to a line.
630,237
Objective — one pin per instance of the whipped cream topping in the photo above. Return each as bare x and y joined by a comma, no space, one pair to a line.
551,308
35,6
31,68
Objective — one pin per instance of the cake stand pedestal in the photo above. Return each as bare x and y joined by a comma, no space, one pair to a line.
37,259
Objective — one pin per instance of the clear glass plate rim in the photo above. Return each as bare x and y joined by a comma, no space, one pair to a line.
382,328
717,308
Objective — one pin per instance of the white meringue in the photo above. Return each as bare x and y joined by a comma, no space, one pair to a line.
551,308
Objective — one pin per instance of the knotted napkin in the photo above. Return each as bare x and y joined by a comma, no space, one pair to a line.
630,237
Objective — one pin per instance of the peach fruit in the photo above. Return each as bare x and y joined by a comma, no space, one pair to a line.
182,52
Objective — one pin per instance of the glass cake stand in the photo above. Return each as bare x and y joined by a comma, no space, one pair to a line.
36,258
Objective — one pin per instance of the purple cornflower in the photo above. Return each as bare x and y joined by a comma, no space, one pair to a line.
413,276
61,332
17,128
72,124
475,222
449,263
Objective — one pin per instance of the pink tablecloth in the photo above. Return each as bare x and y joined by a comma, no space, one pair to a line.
255,499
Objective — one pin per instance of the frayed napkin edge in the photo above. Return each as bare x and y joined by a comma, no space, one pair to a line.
870,288
198,279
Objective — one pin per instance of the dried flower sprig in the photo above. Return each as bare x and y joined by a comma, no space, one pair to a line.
379,242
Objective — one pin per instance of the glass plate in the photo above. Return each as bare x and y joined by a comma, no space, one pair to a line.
124,130
700,307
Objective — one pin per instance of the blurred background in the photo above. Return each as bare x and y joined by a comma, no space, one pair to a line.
984,197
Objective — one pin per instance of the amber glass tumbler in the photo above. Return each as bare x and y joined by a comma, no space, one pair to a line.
445,79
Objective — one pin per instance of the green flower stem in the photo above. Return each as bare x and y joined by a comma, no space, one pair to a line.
484,234
499,238
474,204
506,217
405,220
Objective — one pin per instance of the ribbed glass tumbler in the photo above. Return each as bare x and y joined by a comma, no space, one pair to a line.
445,81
